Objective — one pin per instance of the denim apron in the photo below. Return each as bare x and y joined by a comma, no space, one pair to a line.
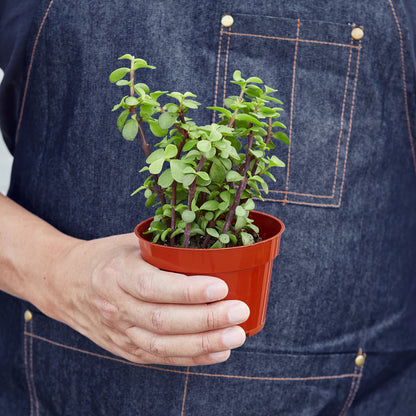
344,283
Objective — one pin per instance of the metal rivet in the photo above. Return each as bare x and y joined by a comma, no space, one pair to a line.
357,33
227,20
359,360
28,315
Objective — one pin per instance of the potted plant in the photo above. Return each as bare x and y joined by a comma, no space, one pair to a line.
202,181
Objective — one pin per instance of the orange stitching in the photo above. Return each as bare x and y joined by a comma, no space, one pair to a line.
22,107
151,367
217,76
32,373
313,204
349,127
29,385
353,391
340,376
226,67
119,360
291,110
184,391
409,128
301,194
353,382
294,40
342,117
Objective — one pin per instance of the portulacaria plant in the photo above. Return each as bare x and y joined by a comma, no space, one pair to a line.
202,178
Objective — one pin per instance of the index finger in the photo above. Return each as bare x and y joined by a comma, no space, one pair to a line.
151,284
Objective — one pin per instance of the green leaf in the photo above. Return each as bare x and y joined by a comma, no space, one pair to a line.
171,151
141,63
233,176
213,232
131,101
118,74
210,206
279,124
155,95
156,130
249,205
142,86
177,167
256,80
147,193
165,234
282,137
227,113
240,223
167,120
224,238
217,173
130,129
156,167
249,118
122,119
188,216
204,176
165,179
188,179
156,155
240,211
191,104
122,82
275,161
149,202
189,145
217,244
127,56
246,238
204,145
237,76
225,196
209,216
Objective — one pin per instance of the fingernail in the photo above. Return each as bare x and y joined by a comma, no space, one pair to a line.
220,356
217,291
238,313
233,337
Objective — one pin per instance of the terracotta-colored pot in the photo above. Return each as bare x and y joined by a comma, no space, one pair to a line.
245,269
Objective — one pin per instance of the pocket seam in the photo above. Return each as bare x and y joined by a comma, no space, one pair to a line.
169,370
352,46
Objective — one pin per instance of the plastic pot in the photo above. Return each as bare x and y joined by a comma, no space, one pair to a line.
245,269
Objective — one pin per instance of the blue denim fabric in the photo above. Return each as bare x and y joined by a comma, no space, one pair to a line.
345,276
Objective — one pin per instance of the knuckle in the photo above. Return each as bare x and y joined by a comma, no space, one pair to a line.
145,286
187,294
156,347
205,345
108,311
210,319
157,320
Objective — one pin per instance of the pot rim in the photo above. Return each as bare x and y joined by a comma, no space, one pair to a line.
213,250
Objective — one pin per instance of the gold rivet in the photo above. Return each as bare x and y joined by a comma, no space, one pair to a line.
227,20
359,360
357,33
28,315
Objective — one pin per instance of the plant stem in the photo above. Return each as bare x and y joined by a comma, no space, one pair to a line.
174,187
268,139
145,145
241,187
191,196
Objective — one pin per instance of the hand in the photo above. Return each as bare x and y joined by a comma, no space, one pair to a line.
106,291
